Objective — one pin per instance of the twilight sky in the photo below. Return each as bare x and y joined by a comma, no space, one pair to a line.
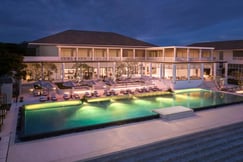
161,22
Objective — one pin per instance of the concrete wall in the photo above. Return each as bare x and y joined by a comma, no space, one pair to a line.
187,84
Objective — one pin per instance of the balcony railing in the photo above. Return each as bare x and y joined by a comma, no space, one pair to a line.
154,58
68,59
166,59
237,58
84,58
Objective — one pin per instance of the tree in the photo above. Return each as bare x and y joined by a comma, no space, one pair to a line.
238,77
82,67
34,71
12,65
128,68
49,68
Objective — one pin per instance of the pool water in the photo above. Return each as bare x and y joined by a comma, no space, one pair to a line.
45,120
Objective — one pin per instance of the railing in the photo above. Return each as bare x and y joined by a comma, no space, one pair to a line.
181,59
84,58
41,58
154,58
68,58
206,59
114,58
237,58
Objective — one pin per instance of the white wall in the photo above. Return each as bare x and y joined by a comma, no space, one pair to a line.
187,84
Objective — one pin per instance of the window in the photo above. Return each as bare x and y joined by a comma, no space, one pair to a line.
221,55
237,55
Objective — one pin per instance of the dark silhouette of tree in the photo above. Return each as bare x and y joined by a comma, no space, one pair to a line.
12,66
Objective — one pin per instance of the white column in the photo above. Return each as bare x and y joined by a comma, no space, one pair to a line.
174,54
98,70
174,73
200,54
163,53
163,70
107,54
63,66
188,54
76,56
160,71
42,71
150,70
133,52
188,71
226,72
141,69
202,71
114,70
146,54
93,54
59,51
214,70
121,54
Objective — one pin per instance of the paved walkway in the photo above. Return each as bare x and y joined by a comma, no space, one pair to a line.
83,145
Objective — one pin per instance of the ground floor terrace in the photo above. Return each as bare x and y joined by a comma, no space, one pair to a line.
176,73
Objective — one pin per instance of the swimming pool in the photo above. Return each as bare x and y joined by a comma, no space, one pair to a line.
50,119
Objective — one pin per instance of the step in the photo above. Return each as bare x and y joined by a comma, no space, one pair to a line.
175,112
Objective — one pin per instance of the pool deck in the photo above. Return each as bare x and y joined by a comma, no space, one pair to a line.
88,144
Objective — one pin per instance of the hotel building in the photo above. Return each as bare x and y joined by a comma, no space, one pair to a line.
232,52
81,55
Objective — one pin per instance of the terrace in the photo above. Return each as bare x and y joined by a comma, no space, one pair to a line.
93,144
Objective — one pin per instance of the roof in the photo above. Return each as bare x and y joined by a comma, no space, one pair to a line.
221,45
76,37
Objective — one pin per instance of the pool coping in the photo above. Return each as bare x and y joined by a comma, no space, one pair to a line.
90,144
21,137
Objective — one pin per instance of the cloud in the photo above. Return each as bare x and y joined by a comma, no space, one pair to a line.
157,22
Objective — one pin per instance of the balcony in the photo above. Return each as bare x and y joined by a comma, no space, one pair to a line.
41,59
154,58
84,58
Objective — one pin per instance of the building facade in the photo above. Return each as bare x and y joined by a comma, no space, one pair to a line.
78,55
232,52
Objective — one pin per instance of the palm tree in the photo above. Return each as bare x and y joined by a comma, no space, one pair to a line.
49,68
35,68
128,68
83,68
238,77
12,66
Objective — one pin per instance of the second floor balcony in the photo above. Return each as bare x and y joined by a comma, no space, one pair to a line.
70,59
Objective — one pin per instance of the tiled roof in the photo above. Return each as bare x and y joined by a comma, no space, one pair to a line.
75,37
221,45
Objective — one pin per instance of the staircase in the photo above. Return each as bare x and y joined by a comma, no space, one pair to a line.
220,144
